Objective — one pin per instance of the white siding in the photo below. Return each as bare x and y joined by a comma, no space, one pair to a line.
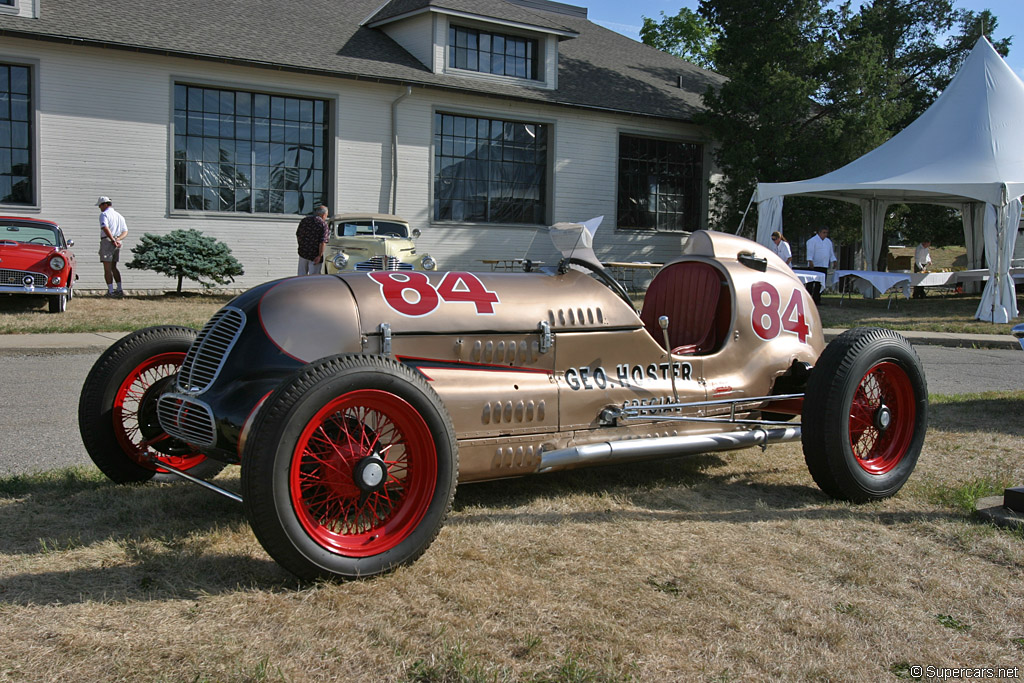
105,127
415,34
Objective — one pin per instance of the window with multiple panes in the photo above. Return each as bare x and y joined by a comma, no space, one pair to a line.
660,184
16,172
247,151
489,170
492,53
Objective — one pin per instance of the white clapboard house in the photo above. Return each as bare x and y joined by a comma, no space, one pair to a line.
479,121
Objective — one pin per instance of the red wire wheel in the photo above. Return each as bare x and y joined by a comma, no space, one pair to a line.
134,413
350,468
363,473
865,414
882,418
117,408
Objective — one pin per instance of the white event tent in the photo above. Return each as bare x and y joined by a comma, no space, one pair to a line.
966,151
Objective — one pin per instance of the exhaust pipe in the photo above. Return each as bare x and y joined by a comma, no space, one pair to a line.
610,452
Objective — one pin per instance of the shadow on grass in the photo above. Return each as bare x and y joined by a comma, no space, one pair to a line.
982,413
24,303
178,541
143,542
667,490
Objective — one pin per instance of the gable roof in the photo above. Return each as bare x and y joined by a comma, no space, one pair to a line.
599,69
511,12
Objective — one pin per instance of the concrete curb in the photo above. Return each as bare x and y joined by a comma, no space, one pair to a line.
76,342
963,341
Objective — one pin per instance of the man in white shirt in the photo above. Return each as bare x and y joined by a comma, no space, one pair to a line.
820,256
112,232
922,259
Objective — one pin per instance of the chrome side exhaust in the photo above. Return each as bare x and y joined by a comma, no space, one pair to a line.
610,452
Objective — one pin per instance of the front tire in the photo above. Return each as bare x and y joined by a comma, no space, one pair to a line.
58,303
865,415
117,409
350,468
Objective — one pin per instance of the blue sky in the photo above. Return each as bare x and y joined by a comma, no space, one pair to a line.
626,18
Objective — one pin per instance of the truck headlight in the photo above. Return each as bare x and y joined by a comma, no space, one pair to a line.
57,263
340,260
428,262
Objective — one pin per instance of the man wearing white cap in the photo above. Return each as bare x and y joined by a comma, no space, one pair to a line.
112,231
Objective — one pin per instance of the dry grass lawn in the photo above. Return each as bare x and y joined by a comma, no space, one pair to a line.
935,313
728,567
23,314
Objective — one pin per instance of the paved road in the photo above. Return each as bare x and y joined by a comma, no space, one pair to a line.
39,397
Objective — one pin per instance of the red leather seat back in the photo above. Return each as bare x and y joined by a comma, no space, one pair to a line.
689,293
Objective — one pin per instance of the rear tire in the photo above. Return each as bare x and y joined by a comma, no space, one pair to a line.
865,415
117,409
350,468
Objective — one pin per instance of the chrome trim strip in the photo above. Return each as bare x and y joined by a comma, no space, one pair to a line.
11,289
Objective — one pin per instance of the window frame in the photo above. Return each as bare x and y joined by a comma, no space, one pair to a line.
33,205
328,190
535,75
699,155
10,6
546,193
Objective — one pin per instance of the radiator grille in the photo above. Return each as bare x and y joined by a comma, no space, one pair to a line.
383,263
206,355
186,419
17,277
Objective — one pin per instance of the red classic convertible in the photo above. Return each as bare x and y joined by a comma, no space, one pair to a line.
36,259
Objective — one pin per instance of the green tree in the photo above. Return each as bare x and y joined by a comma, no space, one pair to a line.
186,254
922,45
686,35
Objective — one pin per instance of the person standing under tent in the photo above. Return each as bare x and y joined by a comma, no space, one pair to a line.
922,259
820,257
780,245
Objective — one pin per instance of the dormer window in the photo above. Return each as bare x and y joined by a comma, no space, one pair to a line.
492,53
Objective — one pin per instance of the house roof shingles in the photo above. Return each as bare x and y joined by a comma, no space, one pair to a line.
494,9
599,69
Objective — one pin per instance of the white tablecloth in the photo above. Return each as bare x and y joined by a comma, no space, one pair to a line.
981,274
933,279
810,276
876,283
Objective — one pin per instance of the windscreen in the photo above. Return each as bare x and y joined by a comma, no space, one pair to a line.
370,227
29,234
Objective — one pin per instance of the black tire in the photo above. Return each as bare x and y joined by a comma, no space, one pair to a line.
58,303
865,415
351,509
117,408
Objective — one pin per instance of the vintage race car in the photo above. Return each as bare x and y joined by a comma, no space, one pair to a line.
36,259
355,403
363,242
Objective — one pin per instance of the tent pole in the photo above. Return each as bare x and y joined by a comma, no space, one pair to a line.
744,217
